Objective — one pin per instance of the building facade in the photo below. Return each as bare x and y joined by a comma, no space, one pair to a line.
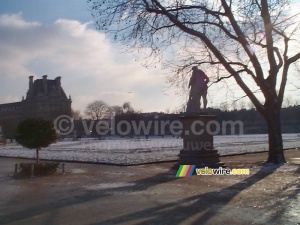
45,99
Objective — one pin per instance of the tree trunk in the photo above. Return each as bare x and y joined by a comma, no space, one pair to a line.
37,155
276,154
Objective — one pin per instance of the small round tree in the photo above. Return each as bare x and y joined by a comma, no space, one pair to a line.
36,134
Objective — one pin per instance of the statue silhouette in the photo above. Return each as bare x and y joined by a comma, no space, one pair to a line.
198,88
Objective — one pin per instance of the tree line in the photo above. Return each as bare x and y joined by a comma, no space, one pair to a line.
99,110
253,122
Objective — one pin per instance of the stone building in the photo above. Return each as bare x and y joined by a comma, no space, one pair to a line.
44,99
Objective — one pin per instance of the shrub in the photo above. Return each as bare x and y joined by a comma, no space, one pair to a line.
39,168
36,134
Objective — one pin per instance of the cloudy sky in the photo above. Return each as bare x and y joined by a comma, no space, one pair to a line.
57,38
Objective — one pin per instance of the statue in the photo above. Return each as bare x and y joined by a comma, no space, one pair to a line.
198,84
198,147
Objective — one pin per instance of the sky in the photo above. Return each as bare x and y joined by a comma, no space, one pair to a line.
58,38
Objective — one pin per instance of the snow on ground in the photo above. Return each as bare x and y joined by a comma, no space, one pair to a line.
140,150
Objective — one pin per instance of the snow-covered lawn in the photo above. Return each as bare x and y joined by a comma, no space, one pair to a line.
140,150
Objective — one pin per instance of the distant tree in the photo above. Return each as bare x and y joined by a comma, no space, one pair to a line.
253,43
97,110
36,134
251,105
179,109
288,101
116,110
76,115
242,104
224,106
234,105
127,108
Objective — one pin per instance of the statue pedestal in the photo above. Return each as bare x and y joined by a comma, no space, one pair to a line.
198,146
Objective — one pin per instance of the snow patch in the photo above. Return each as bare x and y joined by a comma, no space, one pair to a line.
138,150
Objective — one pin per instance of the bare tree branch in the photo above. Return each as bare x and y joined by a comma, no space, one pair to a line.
252,41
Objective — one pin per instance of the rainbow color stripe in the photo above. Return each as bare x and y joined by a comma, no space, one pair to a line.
185,170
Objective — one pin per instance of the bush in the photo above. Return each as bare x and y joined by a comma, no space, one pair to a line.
36,134
44,168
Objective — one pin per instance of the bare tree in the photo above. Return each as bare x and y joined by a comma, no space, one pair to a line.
127,108
242,104
97,110
288,101
76,115
116,110
250,105
224,106
234,105
179,109
251,42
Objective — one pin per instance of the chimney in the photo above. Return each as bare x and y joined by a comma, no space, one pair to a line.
45,86
30,90
30,82
58,84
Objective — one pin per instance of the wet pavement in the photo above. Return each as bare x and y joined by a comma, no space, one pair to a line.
150,194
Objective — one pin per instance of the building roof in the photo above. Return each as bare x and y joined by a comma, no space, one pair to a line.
53,88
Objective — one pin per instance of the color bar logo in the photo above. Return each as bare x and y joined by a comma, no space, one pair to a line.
185,170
